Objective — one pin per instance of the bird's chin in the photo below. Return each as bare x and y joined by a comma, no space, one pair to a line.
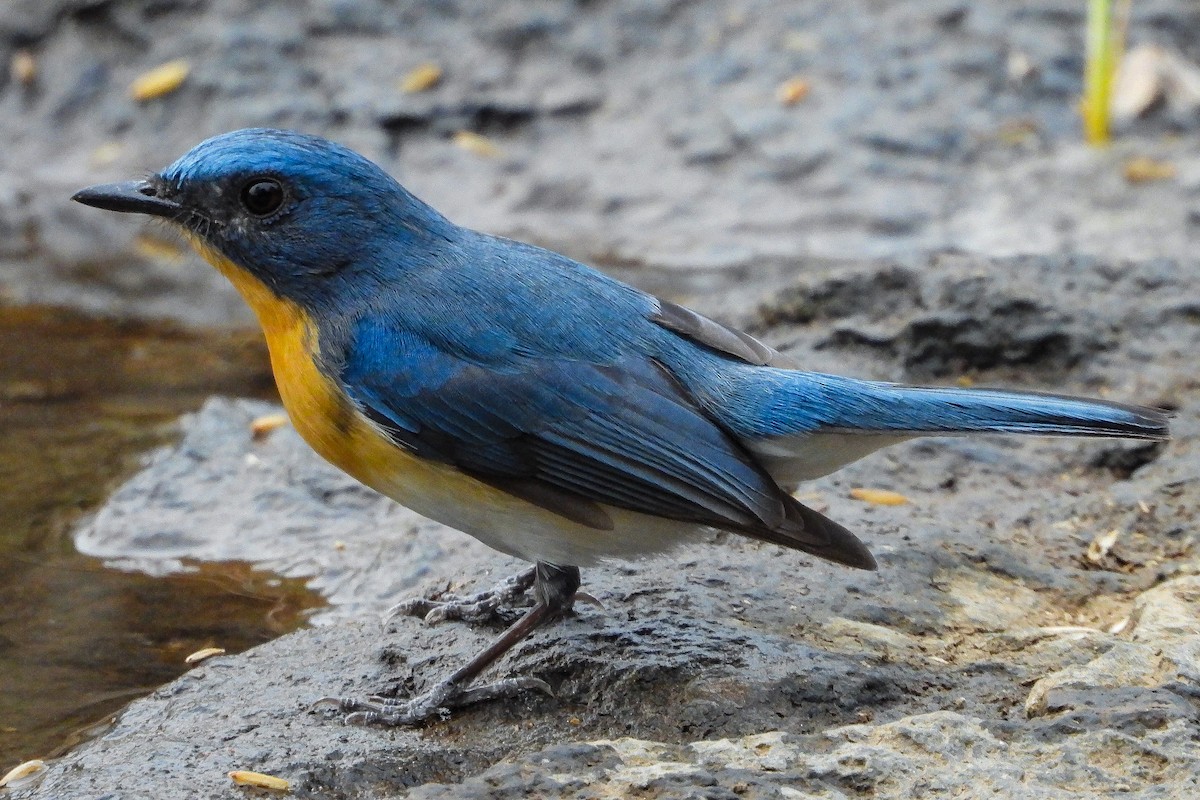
135,197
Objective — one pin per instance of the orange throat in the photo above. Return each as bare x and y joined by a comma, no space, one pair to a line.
320,411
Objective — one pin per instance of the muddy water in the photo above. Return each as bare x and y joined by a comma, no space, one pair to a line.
80,401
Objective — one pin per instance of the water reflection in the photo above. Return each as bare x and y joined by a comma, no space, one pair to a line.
81,400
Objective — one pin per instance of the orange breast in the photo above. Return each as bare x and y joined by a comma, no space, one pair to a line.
330,423
322,413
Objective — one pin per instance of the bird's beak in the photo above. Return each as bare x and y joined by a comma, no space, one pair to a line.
138,197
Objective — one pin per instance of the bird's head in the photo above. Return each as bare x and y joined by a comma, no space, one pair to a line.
298,214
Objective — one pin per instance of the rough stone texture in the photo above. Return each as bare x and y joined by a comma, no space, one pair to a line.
643,135
988,656
942,753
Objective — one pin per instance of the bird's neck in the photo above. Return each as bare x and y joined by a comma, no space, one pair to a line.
293,342
277,315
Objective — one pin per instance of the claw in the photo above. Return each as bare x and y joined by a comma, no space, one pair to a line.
554,587
327,702
413,607
591,600
488,606
437,702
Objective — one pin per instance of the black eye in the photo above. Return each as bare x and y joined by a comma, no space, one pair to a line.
262,196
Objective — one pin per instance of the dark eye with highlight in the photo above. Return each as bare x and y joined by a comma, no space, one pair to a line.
262,196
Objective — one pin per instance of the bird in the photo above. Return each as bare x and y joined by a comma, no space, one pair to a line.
549,410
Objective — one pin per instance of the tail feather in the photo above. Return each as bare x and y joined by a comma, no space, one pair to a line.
832,421
818,403
934,410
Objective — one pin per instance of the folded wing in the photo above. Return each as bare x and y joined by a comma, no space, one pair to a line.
573,437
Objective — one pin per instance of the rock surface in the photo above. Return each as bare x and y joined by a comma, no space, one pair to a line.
644,135
924,214
989,654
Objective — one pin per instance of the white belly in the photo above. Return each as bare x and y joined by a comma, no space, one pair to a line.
527,531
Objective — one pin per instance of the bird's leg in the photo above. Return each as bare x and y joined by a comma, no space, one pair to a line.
554,589
497,603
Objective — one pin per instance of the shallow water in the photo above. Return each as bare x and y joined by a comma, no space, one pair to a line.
81,400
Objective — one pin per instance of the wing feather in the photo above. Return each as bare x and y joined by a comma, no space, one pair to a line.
573,436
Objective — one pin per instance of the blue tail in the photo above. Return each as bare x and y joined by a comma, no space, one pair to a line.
943,410
894,408
775,402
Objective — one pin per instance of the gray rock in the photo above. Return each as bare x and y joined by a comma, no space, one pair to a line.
911,139
986,652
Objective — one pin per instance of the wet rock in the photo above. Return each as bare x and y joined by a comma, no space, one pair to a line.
952,315
1123,665
1130,709
1010,333
905,758
224,495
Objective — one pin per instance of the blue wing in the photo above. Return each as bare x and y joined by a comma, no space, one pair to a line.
573,436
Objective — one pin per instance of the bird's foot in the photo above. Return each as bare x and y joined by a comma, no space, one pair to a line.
555,589
498,604
437,703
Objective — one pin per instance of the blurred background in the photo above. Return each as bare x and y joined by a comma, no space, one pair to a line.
708,151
